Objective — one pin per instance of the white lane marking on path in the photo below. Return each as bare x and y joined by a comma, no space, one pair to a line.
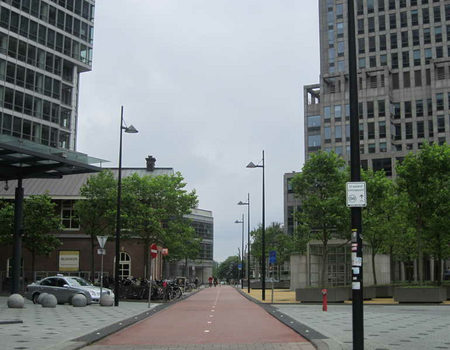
206,331
209,321
211,315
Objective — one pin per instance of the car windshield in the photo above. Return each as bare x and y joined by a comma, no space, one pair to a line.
78,281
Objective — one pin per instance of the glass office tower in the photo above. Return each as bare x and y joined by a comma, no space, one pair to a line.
44,46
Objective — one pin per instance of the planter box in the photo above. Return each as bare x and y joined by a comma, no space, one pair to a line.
448,291
276,285
314,295
368,293
384,291
420,295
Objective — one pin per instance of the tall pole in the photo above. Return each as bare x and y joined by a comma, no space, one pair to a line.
242,255
17,242
118,222
248,243
263,258
357,270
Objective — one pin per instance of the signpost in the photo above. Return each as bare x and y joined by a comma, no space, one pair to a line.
153,255
272,261
102,251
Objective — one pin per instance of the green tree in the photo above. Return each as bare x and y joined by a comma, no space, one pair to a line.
276,240
154,209
321,189
39,222
377,215
228,269
425,178
96,212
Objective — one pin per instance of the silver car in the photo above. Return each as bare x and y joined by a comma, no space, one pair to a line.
64,288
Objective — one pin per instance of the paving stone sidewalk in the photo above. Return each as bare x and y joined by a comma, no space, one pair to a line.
55,328
399,327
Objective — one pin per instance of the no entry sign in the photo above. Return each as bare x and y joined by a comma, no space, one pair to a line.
153,250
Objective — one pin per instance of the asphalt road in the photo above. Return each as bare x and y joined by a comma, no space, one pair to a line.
215,318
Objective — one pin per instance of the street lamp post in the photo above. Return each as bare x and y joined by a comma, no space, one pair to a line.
242,251
131,130
263,236
248,239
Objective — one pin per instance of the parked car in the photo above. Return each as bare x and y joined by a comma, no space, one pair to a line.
64,288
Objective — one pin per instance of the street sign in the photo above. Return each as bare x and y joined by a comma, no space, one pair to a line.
240,266
356,194
102,241
272,257
154,250
101,251
165,251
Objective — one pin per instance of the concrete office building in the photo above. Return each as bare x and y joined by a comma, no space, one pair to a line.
403,57
44,46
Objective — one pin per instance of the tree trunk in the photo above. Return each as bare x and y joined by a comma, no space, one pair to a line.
439,267
373,268
419,250
392,263
186,268
92,259
146,260
33,264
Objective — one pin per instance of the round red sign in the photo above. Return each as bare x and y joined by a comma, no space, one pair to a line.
153,250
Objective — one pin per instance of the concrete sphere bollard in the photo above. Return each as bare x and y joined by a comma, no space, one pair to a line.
16,301
49,300
106,300
39,299
79,300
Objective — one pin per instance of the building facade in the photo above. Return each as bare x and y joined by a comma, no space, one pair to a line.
403,57
74,255
44,47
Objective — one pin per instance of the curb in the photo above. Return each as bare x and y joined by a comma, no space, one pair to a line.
319,341
99,334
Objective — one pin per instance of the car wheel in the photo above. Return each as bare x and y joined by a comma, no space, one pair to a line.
35,298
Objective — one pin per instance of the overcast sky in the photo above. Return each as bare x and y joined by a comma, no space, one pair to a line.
209,84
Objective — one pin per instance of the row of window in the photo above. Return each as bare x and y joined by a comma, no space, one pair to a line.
81,8
34,106
41,34
402,20
36,132
34,81
381,5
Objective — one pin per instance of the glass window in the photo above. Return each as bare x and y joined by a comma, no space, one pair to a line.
313,121
337,112
314,141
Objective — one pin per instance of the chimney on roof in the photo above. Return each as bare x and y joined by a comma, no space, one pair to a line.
150,163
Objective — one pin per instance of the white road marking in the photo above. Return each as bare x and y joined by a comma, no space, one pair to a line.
209,321
211,315
206,331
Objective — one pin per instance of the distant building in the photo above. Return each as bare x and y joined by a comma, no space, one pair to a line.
291,204
77,245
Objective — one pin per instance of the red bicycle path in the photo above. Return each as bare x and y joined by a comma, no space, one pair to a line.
211,316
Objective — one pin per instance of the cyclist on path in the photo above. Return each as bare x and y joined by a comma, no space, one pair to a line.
210,281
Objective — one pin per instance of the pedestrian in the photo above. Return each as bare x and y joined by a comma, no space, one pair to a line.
215,281
196,282
210,281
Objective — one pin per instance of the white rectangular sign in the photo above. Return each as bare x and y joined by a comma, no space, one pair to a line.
69,260
356,194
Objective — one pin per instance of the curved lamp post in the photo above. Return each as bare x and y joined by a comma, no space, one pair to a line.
263,237
248,240
130,130
242,252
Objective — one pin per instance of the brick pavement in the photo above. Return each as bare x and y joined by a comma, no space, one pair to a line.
216,318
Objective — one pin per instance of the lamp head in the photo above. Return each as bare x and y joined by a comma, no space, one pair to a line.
241,203
131,130
238,222
251,165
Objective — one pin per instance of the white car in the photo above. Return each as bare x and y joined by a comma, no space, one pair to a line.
64,288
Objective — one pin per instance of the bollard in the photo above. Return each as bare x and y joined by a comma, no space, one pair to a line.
324,300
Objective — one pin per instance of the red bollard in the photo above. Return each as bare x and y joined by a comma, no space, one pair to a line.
324,300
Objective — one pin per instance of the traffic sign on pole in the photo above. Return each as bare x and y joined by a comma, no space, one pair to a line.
102,241
153,250
356,194
272,257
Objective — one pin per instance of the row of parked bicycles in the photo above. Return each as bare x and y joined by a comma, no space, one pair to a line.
139,288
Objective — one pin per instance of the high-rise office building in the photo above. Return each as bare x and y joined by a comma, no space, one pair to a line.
403,53
44,46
